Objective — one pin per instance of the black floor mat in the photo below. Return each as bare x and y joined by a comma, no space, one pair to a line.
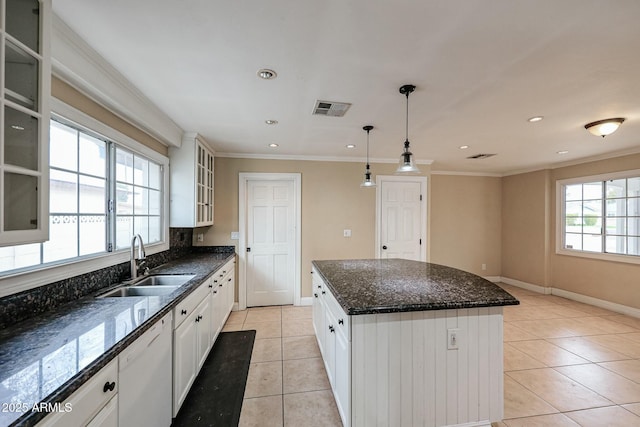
215,399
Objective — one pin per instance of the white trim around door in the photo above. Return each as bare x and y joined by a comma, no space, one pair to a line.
424,252
243,181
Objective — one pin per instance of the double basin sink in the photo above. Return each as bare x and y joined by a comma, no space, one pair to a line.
156,285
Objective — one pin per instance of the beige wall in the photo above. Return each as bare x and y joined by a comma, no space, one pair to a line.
529,252
525,227
612,281
73,97
466,223
332,200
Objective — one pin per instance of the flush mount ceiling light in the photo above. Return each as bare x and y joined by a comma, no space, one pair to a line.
463,147
267,74
407,164
563,152
350,145
367,171
271,122
535,119
604,127
16,127
273,145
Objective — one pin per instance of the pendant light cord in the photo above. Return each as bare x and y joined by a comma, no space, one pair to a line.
407,120
367,149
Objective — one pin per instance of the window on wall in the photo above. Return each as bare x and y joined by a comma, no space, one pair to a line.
601,215
101,194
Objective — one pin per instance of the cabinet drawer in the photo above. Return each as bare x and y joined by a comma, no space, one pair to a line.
341,319
186,307
88,400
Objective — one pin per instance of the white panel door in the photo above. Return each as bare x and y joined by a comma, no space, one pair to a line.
270,243
400,221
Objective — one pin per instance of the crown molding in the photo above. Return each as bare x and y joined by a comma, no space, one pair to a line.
461,173
79,65
313,158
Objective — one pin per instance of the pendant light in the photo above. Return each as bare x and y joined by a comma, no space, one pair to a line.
407,164
367,172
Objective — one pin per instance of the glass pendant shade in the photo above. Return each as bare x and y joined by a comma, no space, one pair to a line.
407,164
367,179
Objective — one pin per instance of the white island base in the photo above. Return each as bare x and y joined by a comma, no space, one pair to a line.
403,369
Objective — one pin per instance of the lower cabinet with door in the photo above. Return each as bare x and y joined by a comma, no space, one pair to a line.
332,327
94,404
198,320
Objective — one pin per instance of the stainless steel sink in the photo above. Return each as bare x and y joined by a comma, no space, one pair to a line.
140,291
165,280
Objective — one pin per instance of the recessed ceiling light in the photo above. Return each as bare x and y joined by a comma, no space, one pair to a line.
350,146
271,122
267,74
535,119
273,145
463,147
563,152
16,127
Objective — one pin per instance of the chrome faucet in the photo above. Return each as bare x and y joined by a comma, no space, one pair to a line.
141,256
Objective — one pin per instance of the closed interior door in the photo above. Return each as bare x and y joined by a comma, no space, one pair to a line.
400,220
270,242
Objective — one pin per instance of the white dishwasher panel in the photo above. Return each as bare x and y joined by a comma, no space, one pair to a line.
145,378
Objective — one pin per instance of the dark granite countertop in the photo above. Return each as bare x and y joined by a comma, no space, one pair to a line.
46,358
395,285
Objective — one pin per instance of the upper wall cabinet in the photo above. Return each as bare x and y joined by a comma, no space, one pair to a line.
191,168
24,121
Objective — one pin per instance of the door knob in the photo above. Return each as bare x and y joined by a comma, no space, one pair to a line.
384,247
248,249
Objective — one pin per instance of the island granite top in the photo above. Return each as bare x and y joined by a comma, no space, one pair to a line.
370,286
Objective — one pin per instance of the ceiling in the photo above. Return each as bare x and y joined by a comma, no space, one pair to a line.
481,68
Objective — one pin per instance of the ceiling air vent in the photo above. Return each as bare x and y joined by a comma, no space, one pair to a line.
329,108
480,156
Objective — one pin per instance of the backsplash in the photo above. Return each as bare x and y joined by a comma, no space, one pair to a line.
17,307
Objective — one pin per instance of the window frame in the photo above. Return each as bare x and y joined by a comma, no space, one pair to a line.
64,269
561,218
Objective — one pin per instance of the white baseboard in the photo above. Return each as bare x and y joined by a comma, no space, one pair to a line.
235,307
494,279
306,301
529,286
608,305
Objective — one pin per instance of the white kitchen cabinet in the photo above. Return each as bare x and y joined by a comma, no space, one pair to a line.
192,340
24,121
185,364
203,320
332,327
224,295
92,404
145,386
191,168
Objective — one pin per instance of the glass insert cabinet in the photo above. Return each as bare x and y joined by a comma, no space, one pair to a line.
24,120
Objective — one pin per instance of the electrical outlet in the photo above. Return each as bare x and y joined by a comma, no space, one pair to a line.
347,232
484,267
200,237
453,336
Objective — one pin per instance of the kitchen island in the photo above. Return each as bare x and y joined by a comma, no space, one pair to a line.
410,343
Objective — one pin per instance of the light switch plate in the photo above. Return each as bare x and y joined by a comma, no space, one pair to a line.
235,235
453,337
347,232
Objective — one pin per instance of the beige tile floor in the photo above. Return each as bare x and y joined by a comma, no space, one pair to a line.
287,384
565,364
569,364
